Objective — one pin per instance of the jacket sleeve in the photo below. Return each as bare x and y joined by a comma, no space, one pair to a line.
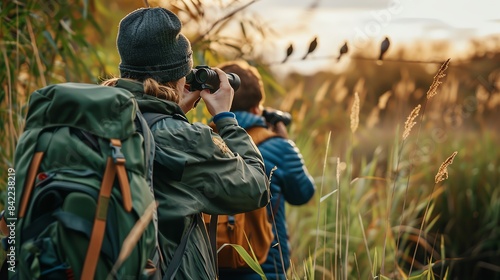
291,175
214,173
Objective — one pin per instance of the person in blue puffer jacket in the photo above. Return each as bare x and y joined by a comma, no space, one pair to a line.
291,181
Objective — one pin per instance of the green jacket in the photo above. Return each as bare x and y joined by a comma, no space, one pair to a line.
197,170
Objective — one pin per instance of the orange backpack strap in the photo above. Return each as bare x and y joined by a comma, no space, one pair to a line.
260,134
30,182
114,166
3,225
119,161
97,236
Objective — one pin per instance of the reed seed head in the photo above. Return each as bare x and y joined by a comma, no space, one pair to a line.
437,79
442,173
355,113
410,121
338,171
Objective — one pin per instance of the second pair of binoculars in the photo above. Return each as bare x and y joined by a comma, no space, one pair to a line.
203,77
274,116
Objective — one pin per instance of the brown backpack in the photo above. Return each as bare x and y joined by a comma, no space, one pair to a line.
256,225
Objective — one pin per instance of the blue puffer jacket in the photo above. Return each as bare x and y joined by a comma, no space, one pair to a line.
291,182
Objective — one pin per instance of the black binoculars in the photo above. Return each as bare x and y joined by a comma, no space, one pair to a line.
203,77
274,116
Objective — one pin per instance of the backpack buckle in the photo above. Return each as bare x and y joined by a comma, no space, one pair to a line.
230,222
116,151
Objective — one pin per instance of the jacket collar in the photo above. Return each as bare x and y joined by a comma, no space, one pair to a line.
247,119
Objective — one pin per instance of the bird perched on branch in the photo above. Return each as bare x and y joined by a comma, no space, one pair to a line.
343,50
289,52
312,47
384,47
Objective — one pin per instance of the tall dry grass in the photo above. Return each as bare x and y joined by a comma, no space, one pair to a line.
395,231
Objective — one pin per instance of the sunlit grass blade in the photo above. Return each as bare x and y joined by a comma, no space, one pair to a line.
375,263
251,261
366,244
323,198
443,257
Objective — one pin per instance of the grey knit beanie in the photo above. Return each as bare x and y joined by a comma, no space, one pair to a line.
151,46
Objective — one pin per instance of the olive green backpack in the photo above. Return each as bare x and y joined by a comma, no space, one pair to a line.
82,184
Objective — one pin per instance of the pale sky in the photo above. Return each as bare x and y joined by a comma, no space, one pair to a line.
359,21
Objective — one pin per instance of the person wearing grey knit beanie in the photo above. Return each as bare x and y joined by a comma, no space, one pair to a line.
150,45
196,170
152,48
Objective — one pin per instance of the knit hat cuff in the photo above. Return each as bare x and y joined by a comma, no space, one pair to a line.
163,73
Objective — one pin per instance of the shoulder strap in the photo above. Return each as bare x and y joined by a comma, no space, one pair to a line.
212,235
152,118
260,134
174,264
149,146
149,155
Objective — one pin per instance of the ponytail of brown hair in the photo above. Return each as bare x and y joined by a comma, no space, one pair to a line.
153,88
